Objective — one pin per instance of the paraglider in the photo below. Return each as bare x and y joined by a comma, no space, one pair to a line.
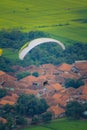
30,45
1,51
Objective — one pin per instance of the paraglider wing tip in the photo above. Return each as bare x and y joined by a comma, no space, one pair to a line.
21,58
64,48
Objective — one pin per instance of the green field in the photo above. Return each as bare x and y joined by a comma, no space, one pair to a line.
63,19
61,125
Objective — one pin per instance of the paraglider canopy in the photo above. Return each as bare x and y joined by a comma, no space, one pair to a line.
30,45
1,51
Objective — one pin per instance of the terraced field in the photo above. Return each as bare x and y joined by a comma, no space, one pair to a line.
63,19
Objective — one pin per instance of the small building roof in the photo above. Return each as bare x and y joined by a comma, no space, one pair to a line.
56,110
56,96
3,120
28,79
57,86
65,67
84,89
2,73
4,102
12,98
30,91
81,65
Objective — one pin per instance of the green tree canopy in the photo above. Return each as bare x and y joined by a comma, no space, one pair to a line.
74,110
3,93
36,74
47,116
21,75
30,105
75,83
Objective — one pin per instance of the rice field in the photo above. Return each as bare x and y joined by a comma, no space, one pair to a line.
62,19
61,125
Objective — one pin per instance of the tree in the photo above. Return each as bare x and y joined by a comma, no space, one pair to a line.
7,108
36,34
84,111
36,74
20,120
21,75
2,126
35,120
47,116
73,110
30,105
10,123
5,64
14,39
3,93
43,106
75,83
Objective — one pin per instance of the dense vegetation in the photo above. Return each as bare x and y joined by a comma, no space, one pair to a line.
29,105
3,93
15,38
27,110
36,74
21,75
75,83
76,110
31,110
11,41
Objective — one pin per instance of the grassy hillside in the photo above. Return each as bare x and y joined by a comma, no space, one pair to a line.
61,125
63,19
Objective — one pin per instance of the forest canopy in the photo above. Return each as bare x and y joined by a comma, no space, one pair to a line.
14,39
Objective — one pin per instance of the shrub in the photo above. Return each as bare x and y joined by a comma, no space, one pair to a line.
36,74
22,75
75,83
3,93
